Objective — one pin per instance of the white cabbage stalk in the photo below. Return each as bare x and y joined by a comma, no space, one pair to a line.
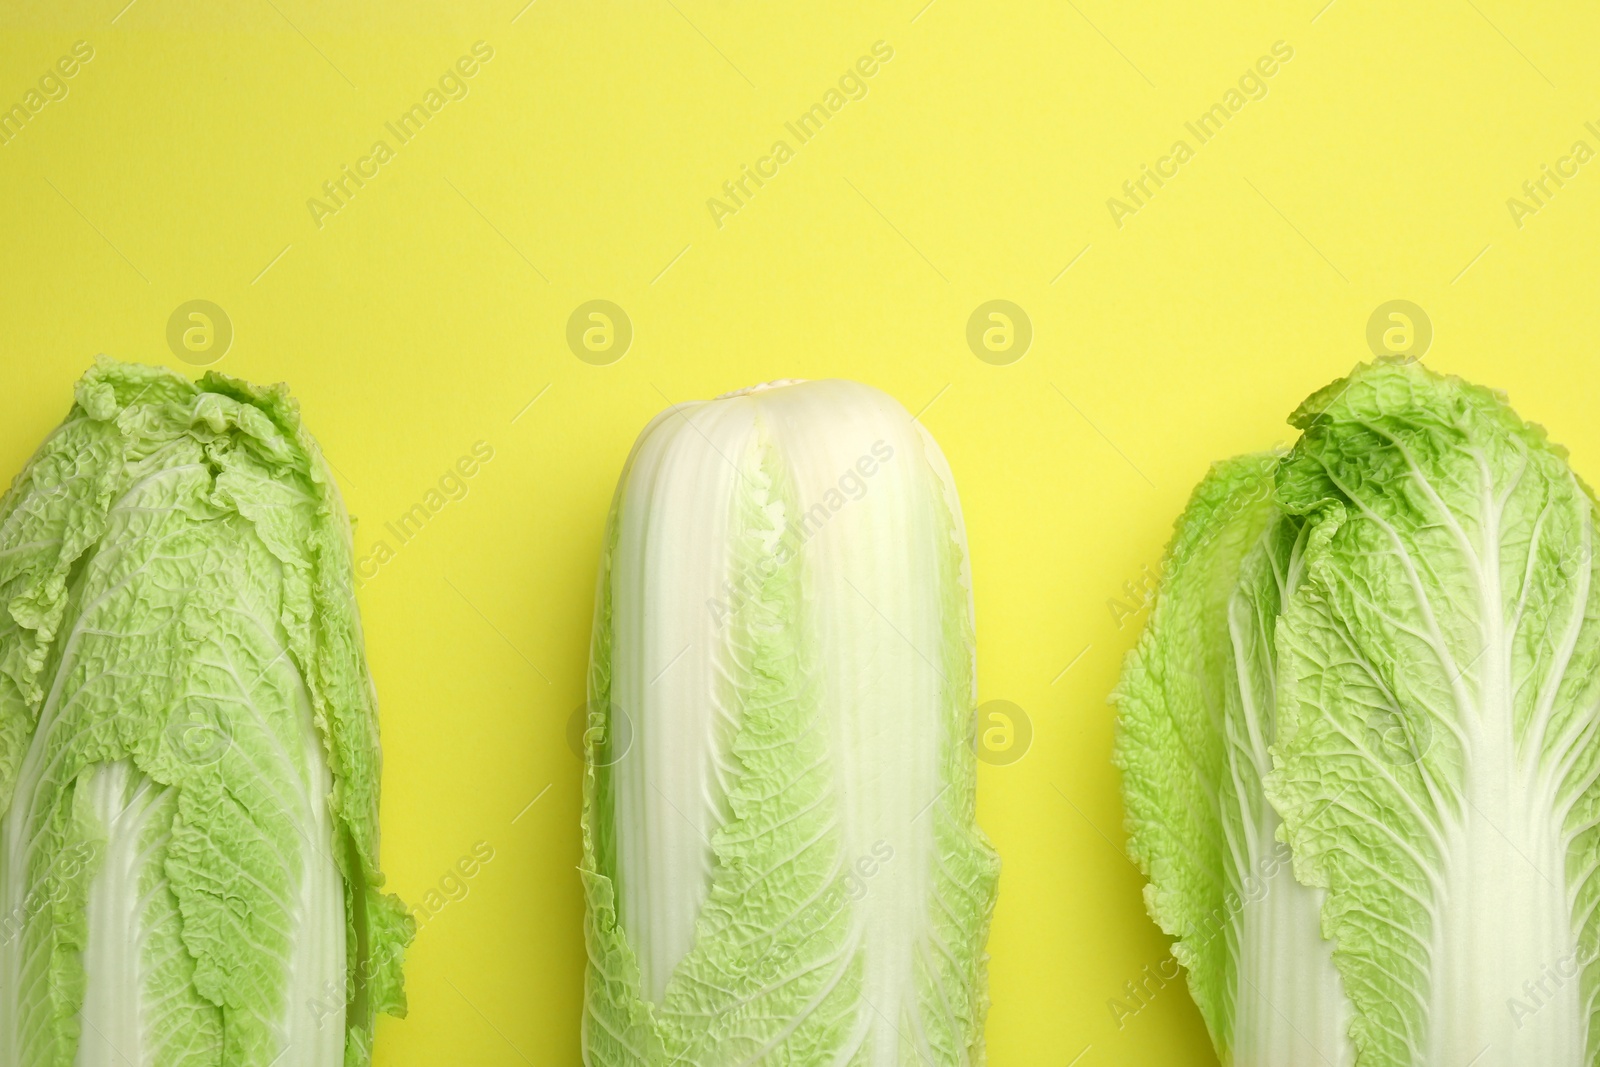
780,856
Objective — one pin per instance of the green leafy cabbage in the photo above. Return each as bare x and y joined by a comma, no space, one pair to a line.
188,743
779,852
1376,658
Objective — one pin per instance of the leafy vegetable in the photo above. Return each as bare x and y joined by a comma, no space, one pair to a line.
1198,714
188,743
1435,653
780,858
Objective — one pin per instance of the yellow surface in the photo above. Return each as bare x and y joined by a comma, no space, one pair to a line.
424,315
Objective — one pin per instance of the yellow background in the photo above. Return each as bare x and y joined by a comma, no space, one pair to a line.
431,310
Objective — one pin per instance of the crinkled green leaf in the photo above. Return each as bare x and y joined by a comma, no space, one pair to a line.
1439,680
1196,718
188,742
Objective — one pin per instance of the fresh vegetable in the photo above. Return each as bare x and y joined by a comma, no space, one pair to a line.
188,743
1198,714
1421,599
779,853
